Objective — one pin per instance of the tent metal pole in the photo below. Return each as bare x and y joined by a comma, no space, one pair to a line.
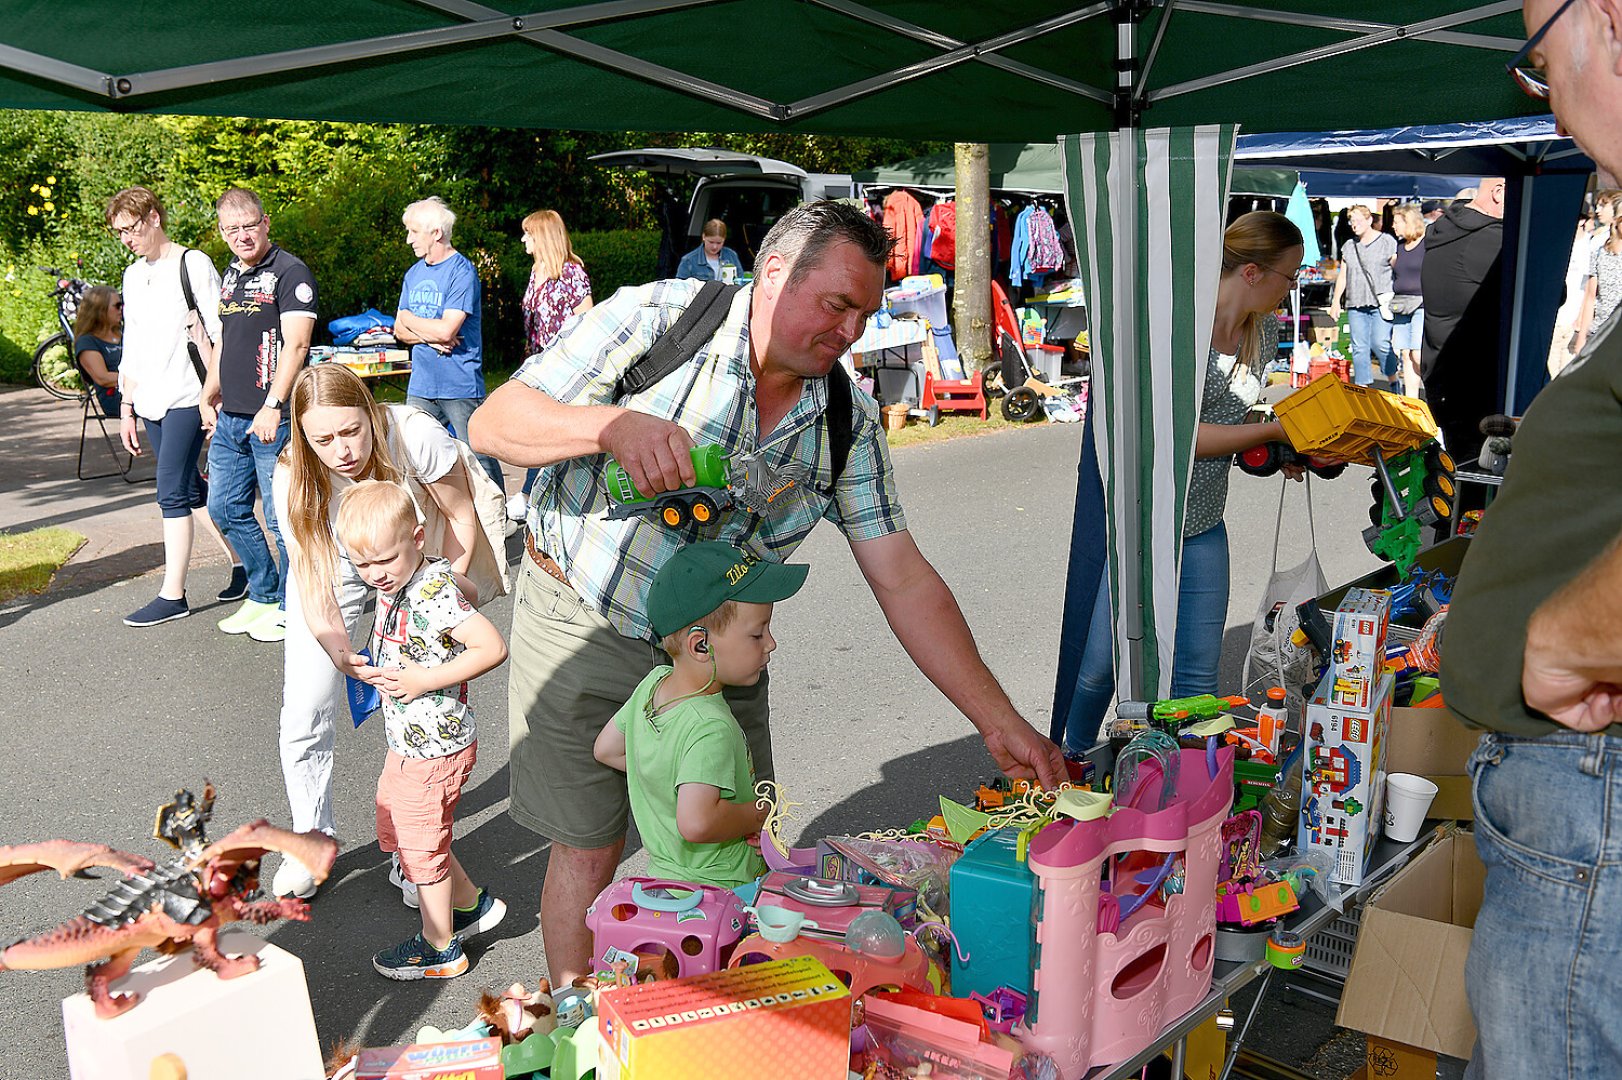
1523,231
1479,41
54,70
1128,571
1425,29
1154,49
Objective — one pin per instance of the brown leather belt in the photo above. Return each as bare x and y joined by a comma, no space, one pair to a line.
542,559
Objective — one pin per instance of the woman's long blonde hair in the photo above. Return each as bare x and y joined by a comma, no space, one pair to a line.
1261,237
96,311
310,490
549,242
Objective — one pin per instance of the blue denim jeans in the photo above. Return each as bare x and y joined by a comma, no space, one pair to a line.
1370,335
1545,967
454,414
1202,615
239,465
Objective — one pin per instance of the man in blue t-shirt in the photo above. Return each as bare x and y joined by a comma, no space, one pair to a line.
439,318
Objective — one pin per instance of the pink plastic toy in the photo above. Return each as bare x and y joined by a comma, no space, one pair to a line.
645,915
1098,997
858,971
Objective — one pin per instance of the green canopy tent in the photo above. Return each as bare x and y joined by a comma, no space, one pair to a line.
963,71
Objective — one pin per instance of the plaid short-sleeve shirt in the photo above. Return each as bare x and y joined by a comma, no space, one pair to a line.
612,563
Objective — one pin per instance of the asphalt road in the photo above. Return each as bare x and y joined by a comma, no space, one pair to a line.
103,723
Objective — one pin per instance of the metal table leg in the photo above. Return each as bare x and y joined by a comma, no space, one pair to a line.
1244,1029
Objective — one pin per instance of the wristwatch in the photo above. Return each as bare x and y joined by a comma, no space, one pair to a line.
272,401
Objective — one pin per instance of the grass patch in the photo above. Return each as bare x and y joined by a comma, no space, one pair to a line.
953,426
29,560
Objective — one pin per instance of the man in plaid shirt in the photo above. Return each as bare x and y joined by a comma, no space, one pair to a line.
581,640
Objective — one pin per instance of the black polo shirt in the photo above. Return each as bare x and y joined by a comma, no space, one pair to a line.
252,303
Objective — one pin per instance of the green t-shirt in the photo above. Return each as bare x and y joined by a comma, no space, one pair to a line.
695,742
1559,508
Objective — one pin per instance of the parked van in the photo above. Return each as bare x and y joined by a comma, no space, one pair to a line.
747,192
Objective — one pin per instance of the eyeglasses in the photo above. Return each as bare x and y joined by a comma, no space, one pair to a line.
1533,81
1293,279
231,232
118,303
128,230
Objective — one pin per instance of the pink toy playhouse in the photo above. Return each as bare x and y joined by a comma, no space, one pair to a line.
1098,997
697,925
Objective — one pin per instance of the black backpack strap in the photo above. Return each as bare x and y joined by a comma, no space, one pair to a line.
840,433
681,341
191,306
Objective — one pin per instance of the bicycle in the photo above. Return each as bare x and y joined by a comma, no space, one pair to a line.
54,367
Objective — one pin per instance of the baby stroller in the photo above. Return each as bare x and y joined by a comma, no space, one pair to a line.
1009,375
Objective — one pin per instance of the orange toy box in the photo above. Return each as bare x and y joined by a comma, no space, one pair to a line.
788,1019
476,1059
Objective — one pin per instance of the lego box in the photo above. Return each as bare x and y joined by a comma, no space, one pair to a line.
1343,779
1361,622
787,1019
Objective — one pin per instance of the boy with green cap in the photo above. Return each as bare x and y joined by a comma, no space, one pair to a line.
686,763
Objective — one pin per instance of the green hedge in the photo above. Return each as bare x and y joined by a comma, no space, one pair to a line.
616,258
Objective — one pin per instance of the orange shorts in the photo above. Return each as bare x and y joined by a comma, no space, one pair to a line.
416,801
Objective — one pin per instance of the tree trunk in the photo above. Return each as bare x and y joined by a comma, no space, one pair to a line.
971,300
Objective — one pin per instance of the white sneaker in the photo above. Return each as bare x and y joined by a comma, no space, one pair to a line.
293,878
408,891
517,507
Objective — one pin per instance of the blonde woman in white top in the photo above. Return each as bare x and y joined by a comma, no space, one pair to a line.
159,383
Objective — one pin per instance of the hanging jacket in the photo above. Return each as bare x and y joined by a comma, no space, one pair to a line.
943,221
1047,253
1019,262
904,218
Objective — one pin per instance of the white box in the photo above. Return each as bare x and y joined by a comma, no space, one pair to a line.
1361,623
217,1027
1343,780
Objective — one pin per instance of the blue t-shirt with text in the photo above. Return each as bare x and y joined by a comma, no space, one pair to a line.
430,291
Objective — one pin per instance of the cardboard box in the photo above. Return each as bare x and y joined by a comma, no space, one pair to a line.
1406,983
1343,780
788,1019
1433,743
475,1059
1360,625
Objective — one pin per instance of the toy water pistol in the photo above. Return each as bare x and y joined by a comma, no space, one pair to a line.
1173,713
721,480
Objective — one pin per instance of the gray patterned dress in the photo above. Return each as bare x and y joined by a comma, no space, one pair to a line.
1229,397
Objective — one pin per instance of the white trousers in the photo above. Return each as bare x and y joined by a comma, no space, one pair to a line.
314,703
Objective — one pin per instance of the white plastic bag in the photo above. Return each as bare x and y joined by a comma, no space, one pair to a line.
1272,657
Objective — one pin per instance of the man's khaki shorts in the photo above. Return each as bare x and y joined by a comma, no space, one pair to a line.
570,673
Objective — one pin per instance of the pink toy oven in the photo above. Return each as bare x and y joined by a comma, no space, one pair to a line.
1098,997
698,929
856,970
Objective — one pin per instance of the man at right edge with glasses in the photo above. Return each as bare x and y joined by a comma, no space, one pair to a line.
1533,655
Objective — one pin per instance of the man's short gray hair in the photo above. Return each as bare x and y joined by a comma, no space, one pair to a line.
433,212
805,233
242,199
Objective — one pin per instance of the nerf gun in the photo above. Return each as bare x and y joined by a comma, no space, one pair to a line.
1173,713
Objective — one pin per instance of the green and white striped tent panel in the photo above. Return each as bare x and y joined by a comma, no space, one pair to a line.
1148,209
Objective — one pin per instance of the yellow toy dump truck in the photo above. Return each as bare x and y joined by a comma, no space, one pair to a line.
1413,484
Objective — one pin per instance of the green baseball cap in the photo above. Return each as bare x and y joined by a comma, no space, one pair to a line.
702,576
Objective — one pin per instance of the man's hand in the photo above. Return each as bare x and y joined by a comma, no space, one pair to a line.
407,684
209,417
1022,753
265,423
128,435
1569,696
655,453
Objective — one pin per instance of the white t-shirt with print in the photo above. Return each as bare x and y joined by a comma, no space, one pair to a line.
415,624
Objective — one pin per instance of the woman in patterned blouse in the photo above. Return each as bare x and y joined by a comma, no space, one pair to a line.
558,290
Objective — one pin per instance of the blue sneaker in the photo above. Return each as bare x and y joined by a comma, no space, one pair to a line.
158,611
484,915
416,959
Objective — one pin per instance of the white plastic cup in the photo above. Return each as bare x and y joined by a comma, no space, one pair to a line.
1407,801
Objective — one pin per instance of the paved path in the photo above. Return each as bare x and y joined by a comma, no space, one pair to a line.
103,723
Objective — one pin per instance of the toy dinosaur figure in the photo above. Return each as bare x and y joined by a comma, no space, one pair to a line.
181,904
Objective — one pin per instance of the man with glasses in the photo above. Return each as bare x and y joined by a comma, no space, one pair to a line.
267,314
1364,278
1533,655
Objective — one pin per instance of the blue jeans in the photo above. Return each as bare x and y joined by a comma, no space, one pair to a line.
177,442
1202,615
454,414
1370,334
238,465
1545,967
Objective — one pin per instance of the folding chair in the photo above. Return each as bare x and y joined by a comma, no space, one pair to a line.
92,412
